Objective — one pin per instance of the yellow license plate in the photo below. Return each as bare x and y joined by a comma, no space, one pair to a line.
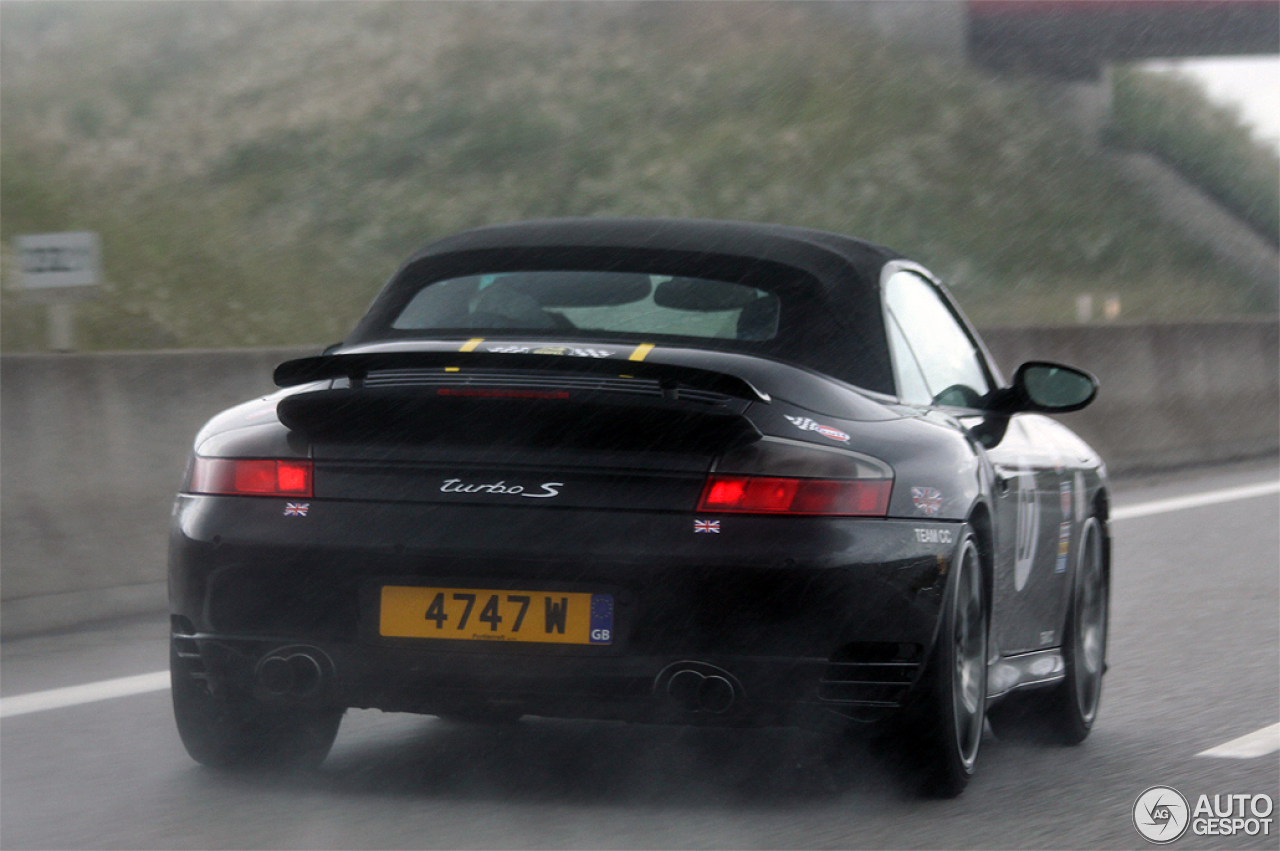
479,614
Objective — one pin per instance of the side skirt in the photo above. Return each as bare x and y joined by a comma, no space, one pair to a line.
1026,670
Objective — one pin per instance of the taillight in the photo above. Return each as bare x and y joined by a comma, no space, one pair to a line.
780,476
251,477
767,495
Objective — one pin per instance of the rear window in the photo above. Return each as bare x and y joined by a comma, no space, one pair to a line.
620,302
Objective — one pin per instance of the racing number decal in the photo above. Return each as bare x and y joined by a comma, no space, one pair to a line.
1028,529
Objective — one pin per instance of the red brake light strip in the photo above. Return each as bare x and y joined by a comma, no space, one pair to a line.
251,477
770,495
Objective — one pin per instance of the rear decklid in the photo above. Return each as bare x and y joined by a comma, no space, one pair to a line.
515,429
535,424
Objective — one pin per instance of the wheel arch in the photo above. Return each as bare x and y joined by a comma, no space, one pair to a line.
1102,510
980,522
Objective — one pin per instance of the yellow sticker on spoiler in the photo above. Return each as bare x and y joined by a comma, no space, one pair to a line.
641,352
470,345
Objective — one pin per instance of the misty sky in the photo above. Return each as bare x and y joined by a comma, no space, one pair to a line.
1251,82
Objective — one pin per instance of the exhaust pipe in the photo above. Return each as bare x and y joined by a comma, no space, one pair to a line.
293,671
698,688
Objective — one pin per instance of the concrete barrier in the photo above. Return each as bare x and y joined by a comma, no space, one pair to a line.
92,446
1172,394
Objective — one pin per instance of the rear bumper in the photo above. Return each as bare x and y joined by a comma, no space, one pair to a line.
799,615
631,687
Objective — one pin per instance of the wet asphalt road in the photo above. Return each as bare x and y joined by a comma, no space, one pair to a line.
1195,662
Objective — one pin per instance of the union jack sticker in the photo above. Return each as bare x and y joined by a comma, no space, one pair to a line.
711,526
296,509
927,500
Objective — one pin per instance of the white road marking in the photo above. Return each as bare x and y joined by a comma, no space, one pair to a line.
1258,743
57,698
1195,500
159,680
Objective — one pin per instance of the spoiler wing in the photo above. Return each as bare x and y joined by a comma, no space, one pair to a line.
355,367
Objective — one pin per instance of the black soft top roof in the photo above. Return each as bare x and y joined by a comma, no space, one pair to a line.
838,328
832,259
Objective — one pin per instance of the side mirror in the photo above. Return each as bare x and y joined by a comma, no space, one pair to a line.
1044,387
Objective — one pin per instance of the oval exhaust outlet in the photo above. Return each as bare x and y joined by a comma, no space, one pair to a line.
293,671
697,687
275,674
306,673
685,688
716,695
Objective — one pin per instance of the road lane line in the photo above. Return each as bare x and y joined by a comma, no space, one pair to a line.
1195,500
57,698
1258,743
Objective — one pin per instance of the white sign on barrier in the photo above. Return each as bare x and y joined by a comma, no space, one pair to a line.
60,266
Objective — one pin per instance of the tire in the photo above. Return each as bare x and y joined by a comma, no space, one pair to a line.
954,711
244,733
1065,713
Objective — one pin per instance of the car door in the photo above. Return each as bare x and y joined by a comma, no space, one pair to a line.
938,366
1033,513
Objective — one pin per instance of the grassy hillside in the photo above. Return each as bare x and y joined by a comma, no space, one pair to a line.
257,170
1167,115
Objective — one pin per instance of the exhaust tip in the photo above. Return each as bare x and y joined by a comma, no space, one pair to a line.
306,673
697,687
716,695
684,688
275,674
293,671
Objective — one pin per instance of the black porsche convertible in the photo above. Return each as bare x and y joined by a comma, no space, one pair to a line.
664,471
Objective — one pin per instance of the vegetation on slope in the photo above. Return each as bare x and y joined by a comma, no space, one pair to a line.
1167,115
258,170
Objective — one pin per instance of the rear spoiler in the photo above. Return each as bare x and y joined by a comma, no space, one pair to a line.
670,377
